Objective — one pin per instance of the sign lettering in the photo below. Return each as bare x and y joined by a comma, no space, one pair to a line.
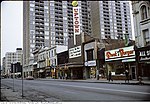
121,53
76,20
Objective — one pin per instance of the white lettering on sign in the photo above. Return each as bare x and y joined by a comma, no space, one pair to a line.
75,52
144,55
76,20
90,63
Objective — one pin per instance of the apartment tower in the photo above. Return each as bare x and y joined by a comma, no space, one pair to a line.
111,19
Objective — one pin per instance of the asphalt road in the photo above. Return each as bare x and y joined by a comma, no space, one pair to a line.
38,90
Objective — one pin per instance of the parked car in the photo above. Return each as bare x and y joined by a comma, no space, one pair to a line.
29,78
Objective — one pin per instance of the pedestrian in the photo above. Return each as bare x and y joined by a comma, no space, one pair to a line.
110,77
65,75
127,76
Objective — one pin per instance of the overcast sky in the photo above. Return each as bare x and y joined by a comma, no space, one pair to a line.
12,26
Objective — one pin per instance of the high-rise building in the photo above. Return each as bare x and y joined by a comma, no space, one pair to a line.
110,19
12,57
50,23
3,65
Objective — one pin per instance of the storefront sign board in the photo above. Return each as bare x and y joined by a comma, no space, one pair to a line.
75,52
120,54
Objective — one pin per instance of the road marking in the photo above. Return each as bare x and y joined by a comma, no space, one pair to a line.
106,89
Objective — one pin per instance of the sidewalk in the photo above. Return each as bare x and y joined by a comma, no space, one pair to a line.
7,95
131,82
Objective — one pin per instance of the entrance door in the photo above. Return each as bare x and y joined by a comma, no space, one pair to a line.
133,72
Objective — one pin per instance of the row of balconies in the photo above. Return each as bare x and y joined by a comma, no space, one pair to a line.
39,3
59,32
58,21
39,25
58,8
39,16
39,8
59,36
39,41
36,28
39,38
58,27
39,20
40,35
58,15
39,44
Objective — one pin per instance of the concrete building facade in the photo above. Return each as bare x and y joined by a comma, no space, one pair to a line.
3,66
12,57
141,18
111,19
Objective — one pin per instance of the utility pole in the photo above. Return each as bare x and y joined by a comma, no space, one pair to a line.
22,79
13,76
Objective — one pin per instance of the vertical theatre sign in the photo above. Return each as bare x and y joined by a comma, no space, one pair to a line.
76,20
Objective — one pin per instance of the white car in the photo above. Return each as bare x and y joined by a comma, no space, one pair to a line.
29,78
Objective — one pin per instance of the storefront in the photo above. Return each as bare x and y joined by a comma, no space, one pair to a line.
90,69
144,62
119,60
76,71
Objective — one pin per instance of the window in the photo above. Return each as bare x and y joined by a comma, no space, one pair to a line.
46,24
146,37
45,7
143,12
31,9
89,54
31,5
46,32
52,53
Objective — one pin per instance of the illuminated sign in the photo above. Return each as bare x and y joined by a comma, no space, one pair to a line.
74,3
76,20
121,53
90,63
75,52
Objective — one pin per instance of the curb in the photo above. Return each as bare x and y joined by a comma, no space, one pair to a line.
137,83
